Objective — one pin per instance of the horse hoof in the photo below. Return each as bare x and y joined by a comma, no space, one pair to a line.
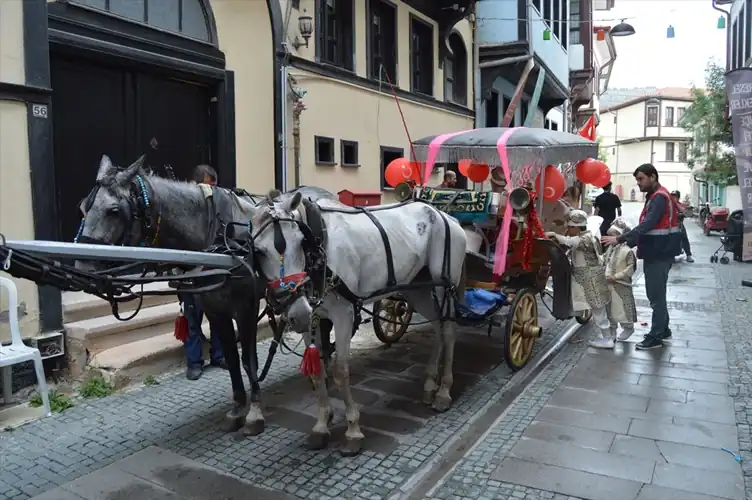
317,441
441,404
253,428
352,447
428,397
233,424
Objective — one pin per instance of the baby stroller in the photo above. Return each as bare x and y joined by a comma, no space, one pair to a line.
732,240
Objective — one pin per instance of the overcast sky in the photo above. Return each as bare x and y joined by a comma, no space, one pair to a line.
648,58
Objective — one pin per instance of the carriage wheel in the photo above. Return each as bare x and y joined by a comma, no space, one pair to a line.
396,312
585,318
521,330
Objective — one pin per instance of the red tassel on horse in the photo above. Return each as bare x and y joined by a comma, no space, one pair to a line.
181,328
310,366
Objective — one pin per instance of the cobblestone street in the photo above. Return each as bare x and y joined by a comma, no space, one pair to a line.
187,418
656,425
592,424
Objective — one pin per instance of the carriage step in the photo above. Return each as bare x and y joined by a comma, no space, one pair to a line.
79,306
102,326
132,362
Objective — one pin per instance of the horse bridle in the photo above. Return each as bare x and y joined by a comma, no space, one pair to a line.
135,208
285,290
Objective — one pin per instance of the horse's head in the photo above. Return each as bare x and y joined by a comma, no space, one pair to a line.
113,209
279,241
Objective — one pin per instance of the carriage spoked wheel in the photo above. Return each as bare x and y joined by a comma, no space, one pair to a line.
391,318
521,329
585,318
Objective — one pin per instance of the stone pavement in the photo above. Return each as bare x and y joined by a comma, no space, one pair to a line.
626,424
187,419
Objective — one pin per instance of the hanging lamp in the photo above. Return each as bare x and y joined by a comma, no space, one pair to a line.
670,32
547,34
721,23
600,35
622,29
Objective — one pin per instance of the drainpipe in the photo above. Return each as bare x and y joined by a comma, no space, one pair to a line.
284,126
728,31
296,111
478,98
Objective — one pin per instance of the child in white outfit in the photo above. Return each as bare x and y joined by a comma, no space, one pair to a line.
621,264
589,288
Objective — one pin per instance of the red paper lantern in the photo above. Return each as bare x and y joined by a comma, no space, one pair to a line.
398,170
604,179
554,183
463,166
478,172
417,170
589,170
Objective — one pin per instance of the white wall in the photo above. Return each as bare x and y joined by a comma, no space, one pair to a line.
733,198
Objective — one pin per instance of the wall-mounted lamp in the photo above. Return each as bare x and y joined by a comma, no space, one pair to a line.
305,26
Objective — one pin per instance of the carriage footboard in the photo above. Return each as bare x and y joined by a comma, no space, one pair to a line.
561,274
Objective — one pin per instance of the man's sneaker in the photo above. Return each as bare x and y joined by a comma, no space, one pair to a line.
625,334
649,343
602,343
690,258
666,335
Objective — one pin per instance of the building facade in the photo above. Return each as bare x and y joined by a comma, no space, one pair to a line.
512,36
269,99
647,129
373,72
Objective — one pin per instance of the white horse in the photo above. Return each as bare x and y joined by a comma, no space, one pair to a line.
426,246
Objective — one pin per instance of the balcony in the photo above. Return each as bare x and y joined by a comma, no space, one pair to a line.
508,34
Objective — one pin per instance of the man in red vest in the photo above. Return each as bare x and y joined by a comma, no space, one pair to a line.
658,240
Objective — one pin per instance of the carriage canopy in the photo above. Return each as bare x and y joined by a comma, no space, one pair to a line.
518,150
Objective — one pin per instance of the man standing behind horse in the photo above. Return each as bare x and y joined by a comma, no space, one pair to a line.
194,346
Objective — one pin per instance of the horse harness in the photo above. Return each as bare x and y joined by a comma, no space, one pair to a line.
285,290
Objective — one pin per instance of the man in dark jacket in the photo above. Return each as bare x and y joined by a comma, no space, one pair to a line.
194,345
658,240
607,205
686,248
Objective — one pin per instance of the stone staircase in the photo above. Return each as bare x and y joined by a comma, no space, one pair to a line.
126,351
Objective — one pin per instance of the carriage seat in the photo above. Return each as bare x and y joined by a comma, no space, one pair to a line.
467,206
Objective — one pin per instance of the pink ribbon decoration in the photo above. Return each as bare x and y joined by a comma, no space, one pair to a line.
502,241
433,150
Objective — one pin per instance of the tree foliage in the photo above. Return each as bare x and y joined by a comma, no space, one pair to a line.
602,151
712,147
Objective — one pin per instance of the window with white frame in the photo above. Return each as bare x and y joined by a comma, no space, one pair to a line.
574,21
668,120
683,148
670,151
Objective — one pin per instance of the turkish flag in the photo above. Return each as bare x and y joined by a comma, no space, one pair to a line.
588,130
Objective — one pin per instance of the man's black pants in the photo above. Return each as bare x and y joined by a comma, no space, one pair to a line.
656,281
685,241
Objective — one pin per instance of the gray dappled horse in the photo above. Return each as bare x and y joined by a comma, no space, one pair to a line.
132,207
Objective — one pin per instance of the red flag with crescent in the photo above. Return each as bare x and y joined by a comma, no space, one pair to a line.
588,130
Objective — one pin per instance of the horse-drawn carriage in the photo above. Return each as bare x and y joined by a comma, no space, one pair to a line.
508,213
316,260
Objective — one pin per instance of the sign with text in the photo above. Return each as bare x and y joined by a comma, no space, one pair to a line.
739,92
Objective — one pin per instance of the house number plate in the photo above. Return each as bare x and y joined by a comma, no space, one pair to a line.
39,110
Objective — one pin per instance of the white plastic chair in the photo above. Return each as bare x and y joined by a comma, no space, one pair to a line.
18,352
